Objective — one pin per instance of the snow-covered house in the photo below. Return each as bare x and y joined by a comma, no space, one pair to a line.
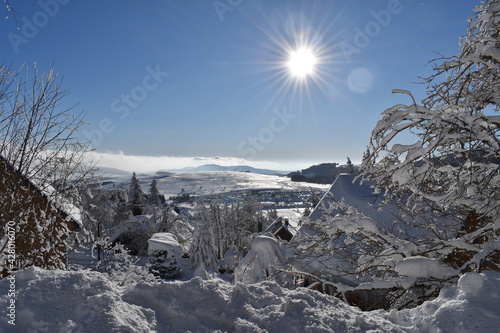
280,228
34,225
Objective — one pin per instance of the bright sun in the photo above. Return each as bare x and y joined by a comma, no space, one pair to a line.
302,63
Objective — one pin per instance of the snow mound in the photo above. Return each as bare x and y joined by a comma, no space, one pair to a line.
470,307
265,307
86,301
66,301
471,283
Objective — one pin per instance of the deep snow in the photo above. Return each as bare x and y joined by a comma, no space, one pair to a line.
86,301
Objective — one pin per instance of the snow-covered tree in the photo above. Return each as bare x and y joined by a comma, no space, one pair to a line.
39,143
135,190
203,249
97,211
440,161
154,196
154,203
233,224
219,224
136,195
350,166
442,156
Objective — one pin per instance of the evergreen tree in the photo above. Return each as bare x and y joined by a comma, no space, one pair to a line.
154,195
350,166
135,191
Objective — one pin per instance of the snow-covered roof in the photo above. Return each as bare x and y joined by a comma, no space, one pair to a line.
165,241
355,194
62,204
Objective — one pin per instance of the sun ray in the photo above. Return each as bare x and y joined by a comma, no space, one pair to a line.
297,60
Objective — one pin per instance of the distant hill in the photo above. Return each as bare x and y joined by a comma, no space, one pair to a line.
324,173
106,171
237,168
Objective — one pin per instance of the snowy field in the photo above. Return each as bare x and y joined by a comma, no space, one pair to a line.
86,301
209,182
216,182
286,196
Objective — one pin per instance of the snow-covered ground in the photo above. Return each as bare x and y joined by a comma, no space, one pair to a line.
86,301
212,182
279,191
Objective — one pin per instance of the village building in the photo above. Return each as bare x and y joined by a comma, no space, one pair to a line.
280,229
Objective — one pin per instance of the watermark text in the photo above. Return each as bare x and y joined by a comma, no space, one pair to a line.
30,28
265,136
11,264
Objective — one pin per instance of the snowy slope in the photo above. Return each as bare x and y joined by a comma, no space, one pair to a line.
85,301
215,182
281,191
211,182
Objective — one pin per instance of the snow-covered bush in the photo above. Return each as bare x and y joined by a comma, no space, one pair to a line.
232,258
261,262
123,268
164,254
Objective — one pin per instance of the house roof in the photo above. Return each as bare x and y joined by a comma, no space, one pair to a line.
360,195
280,229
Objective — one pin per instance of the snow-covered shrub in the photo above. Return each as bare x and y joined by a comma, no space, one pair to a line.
232,258
123,268
164,254
260,263
163,264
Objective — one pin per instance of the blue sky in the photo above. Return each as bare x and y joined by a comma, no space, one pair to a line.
190,78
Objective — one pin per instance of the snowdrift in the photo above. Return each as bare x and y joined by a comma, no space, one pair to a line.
86,301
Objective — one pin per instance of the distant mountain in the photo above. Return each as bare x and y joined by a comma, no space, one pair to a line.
106,171
324,173
237,168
